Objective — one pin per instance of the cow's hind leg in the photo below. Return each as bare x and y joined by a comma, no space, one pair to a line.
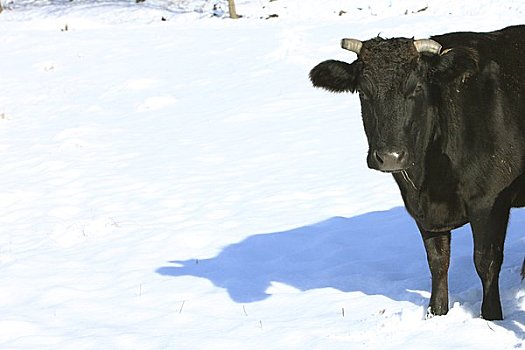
489,228
437,246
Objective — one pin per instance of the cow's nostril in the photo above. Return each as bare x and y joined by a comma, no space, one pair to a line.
378,157
390,161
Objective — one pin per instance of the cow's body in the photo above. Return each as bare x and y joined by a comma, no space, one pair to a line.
449,123
481,153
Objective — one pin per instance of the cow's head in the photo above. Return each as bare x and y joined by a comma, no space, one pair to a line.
399,82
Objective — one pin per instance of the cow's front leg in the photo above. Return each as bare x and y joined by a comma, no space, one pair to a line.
437,245
489,227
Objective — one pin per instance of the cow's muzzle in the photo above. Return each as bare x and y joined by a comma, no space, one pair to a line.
388,161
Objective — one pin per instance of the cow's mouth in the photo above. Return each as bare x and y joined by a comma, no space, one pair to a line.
403,172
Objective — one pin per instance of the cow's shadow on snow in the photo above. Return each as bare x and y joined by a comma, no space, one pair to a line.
375,253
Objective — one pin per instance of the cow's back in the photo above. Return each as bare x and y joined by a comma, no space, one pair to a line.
506,47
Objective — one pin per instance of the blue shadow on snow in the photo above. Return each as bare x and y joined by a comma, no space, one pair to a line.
374,253
366,253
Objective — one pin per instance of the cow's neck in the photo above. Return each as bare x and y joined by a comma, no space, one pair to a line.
430,187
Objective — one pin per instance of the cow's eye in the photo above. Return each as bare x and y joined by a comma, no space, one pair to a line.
363,96
418,89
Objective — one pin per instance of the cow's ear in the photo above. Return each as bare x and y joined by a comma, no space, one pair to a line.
336,76
456,64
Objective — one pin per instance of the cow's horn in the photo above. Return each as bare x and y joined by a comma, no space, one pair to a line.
427,45
353,45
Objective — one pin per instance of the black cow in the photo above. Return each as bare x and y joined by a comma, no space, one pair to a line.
445,116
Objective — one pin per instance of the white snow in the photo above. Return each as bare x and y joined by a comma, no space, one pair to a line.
178,183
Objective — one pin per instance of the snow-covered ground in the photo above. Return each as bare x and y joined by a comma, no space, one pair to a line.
170,180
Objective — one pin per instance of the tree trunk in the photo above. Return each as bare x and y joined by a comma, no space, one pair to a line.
231,8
